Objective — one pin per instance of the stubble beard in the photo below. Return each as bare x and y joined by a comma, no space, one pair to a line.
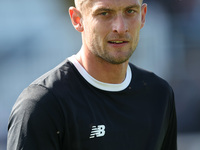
118,57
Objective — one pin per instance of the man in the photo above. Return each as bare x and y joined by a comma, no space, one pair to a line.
96,99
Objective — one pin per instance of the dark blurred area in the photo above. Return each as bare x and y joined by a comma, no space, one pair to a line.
37,35
184,17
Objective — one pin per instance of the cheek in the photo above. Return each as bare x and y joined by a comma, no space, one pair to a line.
101,26
98,32
135,28
135,23
88,31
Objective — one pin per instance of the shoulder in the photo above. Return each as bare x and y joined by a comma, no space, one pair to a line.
36,113
56,76
154,88
33,101
42,94
150,79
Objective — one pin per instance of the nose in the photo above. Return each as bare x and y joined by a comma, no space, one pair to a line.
120,25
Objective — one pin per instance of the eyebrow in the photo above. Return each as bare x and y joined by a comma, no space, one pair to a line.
137,6
101,9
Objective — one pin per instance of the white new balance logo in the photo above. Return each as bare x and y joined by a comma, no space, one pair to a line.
98,131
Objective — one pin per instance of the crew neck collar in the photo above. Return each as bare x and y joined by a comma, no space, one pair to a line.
98,84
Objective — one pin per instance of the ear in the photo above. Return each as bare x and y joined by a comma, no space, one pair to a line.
75,16
143,14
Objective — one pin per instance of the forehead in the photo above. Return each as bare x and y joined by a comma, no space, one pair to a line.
95,4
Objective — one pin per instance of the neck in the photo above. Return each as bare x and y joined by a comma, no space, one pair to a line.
102,70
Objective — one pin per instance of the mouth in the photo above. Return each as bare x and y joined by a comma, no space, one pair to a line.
117,42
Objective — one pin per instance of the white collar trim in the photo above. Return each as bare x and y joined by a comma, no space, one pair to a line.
101,85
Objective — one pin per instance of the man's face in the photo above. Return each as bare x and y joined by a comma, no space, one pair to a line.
111,28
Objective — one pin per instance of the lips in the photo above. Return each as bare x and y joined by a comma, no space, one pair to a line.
117,42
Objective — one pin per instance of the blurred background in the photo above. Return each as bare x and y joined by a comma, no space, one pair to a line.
37,35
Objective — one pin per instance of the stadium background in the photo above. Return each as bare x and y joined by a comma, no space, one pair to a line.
37,35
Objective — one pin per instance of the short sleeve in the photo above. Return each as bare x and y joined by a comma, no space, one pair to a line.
36,121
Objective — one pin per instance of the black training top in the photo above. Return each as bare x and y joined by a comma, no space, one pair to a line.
66,109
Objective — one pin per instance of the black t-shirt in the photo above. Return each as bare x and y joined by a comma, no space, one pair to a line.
65,110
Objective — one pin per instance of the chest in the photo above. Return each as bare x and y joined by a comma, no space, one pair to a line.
110,121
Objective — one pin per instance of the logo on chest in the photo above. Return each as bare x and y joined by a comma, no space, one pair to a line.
97,131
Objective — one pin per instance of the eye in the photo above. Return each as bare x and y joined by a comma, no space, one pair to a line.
130,11
104,13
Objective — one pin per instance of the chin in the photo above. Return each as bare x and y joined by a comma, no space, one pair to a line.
118,60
